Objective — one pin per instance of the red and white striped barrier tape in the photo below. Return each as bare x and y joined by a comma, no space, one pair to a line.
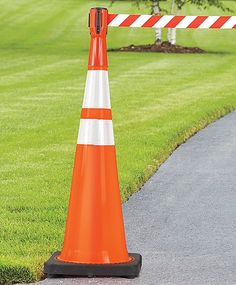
179,22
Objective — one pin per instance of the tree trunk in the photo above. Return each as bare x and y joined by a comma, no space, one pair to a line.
156,11
173,33
172,11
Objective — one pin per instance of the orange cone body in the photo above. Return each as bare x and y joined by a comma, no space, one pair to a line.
95,229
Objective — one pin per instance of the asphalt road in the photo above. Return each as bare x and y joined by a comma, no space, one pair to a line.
183,221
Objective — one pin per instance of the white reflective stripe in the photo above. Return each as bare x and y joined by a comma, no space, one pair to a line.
96,132
186,22
97,94
140,21
118,20
163,21
208,22
230,23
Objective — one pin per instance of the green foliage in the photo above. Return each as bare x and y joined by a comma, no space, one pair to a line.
204,4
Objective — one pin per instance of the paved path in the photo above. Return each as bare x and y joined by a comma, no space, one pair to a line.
183,221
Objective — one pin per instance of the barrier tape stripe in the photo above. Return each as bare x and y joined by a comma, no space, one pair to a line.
168,21
197,22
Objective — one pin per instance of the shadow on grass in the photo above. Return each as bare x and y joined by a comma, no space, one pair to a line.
11,274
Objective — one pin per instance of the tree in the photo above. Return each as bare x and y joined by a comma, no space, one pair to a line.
155,9
170,31
202,4
176,5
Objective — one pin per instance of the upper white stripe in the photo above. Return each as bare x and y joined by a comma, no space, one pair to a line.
186,21
230,23
208,22
97,94
96,132
140,21
118,20
163,21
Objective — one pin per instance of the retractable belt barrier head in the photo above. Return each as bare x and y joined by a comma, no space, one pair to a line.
170,21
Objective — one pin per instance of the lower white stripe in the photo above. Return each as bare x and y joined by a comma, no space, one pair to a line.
230,23
140,21
118,20
163,21
208,22
96,132
186,22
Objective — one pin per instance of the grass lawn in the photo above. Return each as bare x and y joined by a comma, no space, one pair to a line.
158,101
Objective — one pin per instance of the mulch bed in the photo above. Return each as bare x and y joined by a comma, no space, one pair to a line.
164,47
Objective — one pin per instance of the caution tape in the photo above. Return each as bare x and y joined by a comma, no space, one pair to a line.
170,21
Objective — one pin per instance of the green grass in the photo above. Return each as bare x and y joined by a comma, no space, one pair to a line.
158,100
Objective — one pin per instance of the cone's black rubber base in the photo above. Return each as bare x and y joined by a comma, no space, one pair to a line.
54,267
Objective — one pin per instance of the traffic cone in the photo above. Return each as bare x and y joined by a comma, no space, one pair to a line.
94,243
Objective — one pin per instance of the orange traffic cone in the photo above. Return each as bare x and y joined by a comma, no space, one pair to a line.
94,243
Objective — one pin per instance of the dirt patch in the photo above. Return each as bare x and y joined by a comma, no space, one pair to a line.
164,47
